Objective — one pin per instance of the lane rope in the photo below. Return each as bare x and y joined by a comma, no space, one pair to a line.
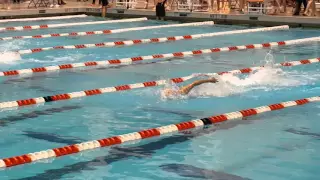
107,31
43,18
148,133
152,40
92,92
131,60
46,26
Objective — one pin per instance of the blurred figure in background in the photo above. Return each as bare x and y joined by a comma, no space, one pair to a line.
5,4
298,6
310,7
61,2
105,6
94,2
161,9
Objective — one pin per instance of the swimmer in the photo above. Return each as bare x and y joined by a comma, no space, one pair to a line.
184,90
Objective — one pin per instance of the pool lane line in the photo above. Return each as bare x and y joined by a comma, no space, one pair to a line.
43,18
98,91
131,60
148,133
47,26
140,151
106,31
151,40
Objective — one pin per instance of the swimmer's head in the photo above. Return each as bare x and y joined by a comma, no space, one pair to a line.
169,92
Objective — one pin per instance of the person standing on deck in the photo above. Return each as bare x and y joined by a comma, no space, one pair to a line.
298,6
161,9
61,2
105,6
94,2
5,4
311,6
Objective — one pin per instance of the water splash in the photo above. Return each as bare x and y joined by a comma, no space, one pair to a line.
9,57
55,60
267,79
13,45
172,87
269,59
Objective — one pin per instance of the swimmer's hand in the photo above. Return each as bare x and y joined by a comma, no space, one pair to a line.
214,80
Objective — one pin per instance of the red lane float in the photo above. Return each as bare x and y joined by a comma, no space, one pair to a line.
152,40
156,56
43,18
46,26
148,133
66,96
107,31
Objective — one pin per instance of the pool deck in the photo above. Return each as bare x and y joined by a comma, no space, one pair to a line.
232,18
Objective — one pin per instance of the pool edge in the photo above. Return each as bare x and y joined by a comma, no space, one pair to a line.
230,19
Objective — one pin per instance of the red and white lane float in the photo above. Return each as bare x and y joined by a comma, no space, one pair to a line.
106,31
151,40
79,94
131,60
43,18
47,26
148,133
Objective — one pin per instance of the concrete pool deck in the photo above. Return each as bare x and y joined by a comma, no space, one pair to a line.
73,7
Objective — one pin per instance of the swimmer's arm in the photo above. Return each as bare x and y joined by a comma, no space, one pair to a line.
186,89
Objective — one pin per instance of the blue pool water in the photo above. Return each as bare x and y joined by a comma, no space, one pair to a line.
278,145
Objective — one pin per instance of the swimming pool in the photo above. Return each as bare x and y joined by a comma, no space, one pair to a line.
277,145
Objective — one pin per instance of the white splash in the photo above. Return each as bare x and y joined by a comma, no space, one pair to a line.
174,88
268,60
267,79
9,57
12,45
57,60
